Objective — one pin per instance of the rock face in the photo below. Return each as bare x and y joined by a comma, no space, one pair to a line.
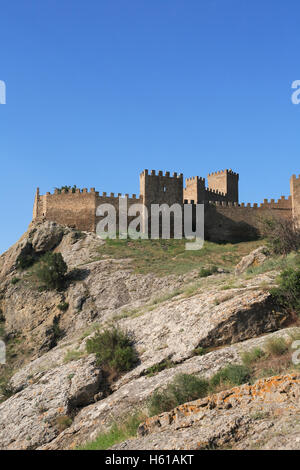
40,237
239,418
168,317
97,290
32,416
46,236
255,258
132,393
174,329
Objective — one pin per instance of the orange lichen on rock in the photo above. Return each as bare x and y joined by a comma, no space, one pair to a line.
271,391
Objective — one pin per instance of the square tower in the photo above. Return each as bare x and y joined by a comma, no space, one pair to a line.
225,181
194,189
161,188
295,193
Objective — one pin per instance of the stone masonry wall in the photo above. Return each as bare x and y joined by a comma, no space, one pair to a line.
194,190
224,220
232,222
226,182
222,187
295,192
76,209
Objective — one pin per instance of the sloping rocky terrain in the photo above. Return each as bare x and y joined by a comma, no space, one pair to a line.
265,416
58,397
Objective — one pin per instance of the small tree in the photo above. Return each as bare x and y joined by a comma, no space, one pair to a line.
26,258
114,350
282,235
233,374
184,388
287,293
51,270
67,189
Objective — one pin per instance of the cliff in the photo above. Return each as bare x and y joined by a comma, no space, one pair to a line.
57,395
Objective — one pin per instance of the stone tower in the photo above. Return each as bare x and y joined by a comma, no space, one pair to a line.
295,193
226,182
159,189
194,190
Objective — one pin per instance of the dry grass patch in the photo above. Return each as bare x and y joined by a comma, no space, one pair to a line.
164,257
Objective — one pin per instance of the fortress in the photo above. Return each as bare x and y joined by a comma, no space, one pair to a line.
225,218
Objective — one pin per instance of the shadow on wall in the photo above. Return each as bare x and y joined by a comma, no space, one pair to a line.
221,228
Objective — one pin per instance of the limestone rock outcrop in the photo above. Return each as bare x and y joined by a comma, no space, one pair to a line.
33,415
245,417
255,258
57,399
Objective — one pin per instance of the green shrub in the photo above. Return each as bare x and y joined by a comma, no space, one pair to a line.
167,364
199,351
114,350
63,422
63,307
51,271
231,375
282,235
276,346
205,272
118,432
184,388
73,355
250,357
287,293
15,280
56,332
67,189
26,258
2,317
6,390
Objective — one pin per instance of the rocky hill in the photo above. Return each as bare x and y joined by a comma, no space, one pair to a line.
265,416
54,396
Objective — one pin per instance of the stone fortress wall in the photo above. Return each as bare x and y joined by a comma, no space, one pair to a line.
225,218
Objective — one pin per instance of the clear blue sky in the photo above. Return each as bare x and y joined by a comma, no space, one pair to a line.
101,89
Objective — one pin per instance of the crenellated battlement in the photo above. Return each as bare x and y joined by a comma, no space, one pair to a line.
85,191
72,191
214,191
160,173
282,203
223,172
226,182
224,216
194,179
118,196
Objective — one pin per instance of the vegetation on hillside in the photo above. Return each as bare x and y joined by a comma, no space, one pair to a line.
184,388
272,359
287,293
119,431
282,235
26,258
114,349
51,271
67,189
163,257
